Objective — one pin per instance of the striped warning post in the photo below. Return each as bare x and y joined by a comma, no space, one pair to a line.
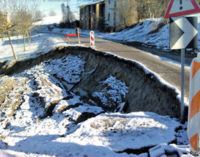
92,39
194,109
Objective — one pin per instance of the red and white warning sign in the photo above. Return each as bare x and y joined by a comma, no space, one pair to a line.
181,8
92,39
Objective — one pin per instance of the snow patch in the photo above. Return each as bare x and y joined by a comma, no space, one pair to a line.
142,33
121,131
114,92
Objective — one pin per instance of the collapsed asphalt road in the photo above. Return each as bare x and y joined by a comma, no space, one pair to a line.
169,72
146,91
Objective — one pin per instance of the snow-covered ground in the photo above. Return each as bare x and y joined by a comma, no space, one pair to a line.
43,39
45,118
40,43
40,116
142,33
50,20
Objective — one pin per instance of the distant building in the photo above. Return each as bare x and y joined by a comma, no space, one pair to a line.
120,14
92,15
111,15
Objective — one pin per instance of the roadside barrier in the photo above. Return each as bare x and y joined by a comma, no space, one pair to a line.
73,35
194,108
92,39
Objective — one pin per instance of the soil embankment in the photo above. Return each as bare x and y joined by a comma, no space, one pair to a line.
145,91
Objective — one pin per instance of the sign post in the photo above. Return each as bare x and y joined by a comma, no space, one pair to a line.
183,33
182,82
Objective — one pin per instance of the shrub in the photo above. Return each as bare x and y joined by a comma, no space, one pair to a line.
158,26
6,85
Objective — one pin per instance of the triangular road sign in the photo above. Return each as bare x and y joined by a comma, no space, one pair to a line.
181,8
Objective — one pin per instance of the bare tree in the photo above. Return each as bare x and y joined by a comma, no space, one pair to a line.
151,8
2,27
5,27
37,16
2,23
68,16
5,24
22,21
17,17
25,13
127,12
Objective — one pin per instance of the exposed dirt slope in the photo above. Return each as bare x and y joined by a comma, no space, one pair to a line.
145,91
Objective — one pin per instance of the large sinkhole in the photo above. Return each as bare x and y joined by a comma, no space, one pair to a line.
101,79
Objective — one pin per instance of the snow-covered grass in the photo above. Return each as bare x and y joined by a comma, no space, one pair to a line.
40,43
142,33
52,120
44,38
114,92
121,131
